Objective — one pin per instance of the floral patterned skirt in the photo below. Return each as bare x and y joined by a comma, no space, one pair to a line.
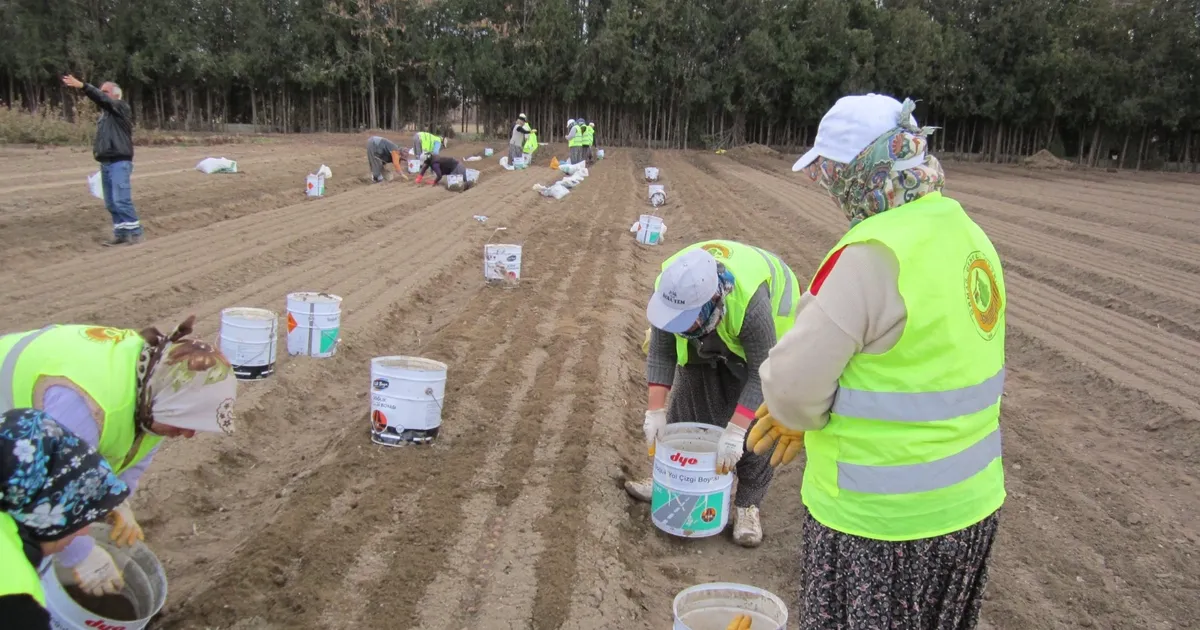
853,583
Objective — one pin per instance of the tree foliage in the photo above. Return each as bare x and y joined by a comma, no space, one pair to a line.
1002,78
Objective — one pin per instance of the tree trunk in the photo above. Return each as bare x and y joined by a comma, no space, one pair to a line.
1141,149
1095,148
1124,149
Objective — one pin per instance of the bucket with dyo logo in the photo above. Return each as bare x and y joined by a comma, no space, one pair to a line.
689,498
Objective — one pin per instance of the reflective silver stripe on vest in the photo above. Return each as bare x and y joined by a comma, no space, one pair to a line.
919,406
934,475
9,367
785,306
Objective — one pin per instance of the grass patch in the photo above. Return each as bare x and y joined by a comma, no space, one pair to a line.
48,126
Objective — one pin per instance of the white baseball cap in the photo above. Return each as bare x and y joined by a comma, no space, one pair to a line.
685,286
850,126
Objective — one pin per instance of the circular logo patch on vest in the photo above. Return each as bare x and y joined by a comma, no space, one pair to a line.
983,295
717,250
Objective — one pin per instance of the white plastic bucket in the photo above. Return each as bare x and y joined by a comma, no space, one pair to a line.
488,153
248,341
650,229
599,154
472,175
314,185
689,499
651,174
414,166
313,322
519,162
406,399
454,182
501,262
145,588
713,606
657,193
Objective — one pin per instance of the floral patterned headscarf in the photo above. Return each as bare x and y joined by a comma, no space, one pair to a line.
713,312
184,383
52,482
891,172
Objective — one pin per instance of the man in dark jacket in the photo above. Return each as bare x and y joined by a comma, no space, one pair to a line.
441,167
113,149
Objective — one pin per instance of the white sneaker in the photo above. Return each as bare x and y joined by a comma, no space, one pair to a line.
640,489
747,529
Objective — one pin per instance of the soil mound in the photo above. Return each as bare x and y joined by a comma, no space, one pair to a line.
1046,160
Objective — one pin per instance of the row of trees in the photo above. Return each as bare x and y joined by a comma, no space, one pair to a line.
1003,78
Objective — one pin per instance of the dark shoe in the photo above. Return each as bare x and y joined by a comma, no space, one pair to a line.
136,239
116,240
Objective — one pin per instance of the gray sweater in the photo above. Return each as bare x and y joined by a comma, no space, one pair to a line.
757,337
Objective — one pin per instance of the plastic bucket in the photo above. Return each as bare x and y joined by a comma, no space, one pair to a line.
406,399
414,166
472,175
248,341
313,322
713,606
651,174
144,594
488,153
314,185
501,262
690,499
650,229
657,194
599,154
519,162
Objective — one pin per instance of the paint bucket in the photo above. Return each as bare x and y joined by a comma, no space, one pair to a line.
314,185
501,263
657,194
599,154
454,182
714,605
651,174
488,153
248,341
519,162
472,175
313,323
689,499
406,400
414,166
650,229
144,594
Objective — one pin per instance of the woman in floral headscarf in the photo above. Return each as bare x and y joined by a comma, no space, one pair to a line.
891,381
52,486
121,391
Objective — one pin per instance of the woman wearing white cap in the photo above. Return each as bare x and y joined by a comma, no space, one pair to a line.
516,142
891,380
121,391
717,309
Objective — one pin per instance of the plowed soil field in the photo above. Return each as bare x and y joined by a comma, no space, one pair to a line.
515,518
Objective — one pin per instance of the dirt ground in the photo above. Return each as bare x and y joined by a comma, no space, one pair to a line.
515,518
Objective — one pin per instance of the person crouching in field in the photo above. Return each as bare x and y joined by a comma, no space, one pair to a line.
441,167
113,149
381,151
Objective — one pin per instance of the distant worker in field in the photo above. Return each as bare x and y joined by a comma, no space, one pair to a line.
113,149
425,143
441,167
891,381
531,145
380,152
574,139
589,137
121,391
518,138
717,309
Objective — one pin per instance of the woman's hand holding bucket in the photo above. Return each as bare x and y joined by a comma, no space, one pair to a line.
767,433
654,422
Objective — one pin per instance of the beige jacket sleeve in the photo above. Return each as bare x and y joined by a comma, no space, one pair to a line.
858,308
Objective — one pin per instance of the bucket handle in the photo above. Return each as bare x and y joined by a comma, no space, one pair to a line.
489,241
429,393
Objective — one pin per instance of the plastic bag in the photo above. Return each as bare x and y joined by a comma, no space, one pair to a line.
324,171
96,185
208,166
558,191
554,163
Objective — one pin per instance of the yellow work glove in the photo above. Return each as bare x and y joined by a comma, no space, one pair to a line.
740,622
767,432
125,528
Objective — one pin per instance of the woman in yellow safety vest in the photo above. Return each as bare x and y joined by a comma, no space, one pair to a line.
54,486
531,146
717,308
121,391
891,380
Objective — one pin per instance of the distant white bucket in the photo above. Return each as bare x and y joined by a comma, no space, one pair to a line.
502,263
472,175
406,400
314,321
657,193
487,153
599,154
519,162
248,341
414,166
650,229
651,174
145,590
314,185
713,606
689,498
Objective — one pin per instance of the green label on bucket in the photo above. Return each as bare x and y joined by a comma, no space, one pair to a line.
686,513
328,339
